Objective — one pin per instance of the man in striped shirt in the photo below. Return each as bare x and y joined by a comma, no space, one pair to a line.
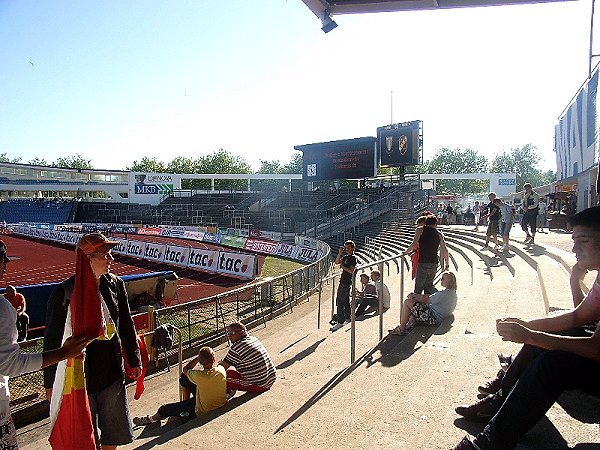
253,370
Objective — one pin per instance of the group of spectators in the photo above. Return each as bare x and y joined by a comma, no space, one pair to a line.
116,352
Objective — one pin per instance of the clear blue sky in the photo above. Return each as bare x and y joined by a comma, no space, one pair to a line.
119,80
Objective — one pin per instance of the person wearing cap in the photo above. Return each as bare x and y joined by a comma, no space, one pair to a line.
13,362
104,368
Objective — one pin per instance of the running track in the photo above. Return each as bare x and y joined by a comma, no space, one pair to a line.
36,262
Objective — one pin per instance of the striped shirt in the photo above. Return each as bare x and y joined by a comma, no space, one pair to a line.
252,361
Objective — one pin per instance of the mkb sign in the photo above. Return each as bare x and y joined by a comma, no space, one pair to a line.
400,144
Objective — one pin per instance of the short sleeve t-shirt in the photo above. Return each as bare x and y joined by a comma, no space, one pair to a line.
506,213
211,388
443,303
494,211
252,361
347,261
384,291
594,295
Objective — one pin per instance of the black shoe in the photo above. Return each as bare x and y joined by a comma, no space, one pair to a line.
480,411
492,386
465,444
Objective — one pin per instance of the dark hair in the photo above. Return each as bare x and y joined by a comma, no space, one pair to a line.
421,220
431,220
527,185
206,356
351,243
587,218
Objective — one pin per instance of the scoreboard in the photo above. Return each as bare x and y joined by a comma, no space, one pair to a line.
345,159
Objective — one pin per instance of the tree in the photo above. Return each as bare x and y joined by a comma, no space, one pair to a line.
147,164
460,161
38,162
73,162
4,158
295,164
522,161
222,161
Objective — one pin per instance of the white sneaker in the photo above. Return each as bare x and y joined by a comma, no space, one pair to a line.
346,322
505,248
336,327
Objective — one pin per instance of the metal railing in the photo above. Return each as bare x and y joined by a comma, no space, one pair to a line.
401,267
201,320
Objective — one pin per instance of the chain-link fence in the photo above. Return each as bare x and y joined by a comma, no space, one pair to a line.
201,320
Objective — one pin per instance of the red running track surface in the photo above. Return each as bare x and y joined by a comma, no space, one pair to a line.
36,262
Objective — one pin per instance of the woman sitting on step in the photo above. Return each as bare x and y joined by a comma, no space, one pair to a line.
428,309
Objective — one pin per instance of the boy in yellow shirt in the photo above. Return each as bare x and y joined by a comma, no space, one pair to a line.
209,384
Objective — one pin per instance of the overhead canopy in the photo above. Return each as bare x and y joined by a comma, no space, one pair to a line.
322,8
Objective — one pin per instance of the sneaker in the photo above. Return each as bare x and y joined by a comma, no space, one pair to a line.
492,386
527,239
466,444
346,322
480,411
336,327
485,247
532,241
505,248
143,421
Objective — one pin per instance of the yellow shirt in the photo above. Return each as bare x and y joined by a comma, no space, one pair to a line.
211,388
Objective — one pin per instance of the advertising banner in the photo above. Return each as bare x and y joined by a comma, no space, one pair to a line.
212,237
126,229
121,247
154,252
304,241
258,246
195,235
285,250
176,255
307,254
136,248
203,259
233,241
237,264
149,231
169,232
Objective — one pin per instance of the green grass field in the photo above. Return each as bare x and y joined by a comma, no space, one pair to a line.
273,267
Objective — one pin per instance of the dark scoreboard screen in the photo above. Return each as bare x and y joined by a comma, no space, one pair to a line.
400,144
347,159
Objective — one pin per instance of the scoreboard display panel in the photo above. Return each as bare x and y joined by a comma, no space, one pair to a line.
400,144
336,160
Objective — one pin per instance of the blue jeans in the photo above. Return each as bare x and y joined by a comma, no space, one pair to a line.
424,279
544,375
342,301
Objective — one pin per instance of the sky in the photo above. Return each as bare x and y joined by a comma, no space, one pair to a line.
118,80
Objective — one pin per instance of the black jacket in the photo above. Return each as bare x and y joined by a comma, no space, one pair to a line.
103,361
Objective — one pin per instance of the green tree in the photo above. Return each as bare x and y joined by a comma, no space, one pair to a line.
147,164
295,164
522,161
73,162
460,161
38,162
4,158
222,161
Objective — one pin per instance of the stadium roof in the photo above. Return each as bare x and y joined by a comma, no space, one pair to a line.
336,7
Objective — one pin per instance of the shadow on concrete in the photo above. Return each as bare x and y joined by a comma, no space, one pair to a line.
301,355
292,344
543,436
164,434
581,406
327,387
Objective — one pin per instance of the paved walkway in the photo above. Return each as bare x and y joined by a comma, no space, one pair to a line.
400,393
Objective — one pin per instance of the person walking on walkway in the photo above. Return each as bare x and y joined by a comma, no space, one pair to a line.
493,216
530,203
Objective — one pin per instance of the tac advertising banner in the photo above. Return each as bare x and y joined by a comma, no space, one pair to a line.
203,259
177,255
237,264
